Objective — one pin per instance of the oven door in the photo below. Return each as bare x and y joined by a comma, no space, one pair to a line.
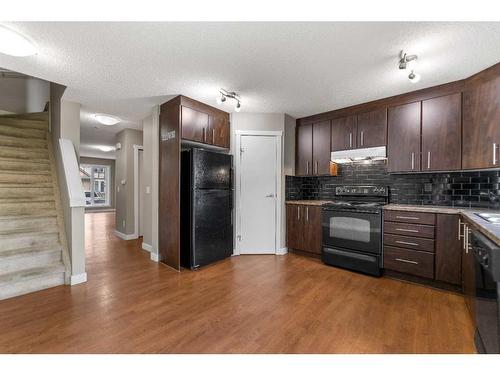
353,230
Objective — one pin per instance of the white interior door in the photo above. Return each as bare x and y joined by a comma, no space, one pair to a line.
141,192
258,190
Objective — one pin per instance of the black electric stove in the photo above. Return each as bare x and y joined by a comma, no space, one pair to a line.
352,228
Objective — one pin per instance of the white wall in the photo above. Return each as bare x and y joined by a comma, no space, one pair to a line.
74,219
151,162
23,94
70,119
270,122
124,194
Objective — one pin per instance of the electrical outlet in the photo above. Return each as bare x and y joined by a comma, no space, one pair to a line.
148,190
123,224
118,189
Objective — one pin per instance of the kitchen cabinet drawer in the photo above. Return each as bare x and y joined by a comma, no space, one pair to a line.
425,231
412,262
414,243
410,217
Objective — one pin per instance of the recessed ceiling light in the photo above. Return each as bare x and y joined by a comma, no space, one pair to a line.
15,44
107,119
105,148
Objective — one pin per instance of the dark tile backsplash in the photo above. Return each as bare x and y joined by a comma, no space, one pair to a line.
464,189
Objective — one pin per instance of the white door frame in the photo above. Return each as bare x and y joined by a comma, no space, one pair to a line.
137,148
278,209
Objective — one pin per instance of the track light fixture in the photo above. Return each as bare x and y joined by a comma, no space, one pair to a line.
224,94
409,62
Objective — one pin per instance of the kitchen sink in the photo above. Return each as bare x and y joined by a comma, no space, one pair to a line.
492,218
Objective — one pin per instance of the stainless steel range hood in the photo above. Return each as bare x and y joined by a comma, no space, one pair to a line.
359,155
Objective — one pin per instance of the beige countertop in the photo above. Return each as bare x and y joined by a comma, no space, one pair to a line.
469,215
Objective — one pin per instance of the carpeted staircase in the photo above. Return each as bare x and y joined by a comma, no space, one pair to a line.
33,248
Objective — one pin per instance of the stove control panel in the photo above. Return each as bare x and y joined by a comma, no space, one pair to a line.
380,191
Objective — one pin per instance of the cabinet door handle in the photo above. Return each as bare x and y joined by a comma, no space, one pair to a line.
298,213
407,217
494,153
412,161
407,230
428,160
316,167
350,140
362,137
406,261
460,235
307,168
213,135
407,243
307,213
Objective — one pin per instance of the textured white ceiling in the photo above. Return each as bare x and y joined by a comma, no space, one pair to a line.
295,68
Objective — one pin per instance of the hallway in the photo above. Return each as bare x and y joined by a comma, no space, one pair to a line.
246,304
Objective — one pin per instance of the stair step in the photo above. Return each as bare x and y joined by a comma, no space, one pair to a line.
27,222
27,208
21,132
31,280
22,142
24,153
13,241
25,177
26,199
28,192
21,123
13,164
19,260
42,116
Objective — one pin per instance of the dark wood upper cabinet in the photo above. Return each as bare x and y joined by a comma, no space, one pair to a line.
372,129
321,148
448,249
218,133
481,125
194,124
304,154
403,142
344,133
442,133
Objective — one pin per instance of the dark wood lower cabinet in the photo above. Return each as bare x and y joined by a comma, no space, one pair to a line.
294,234
468,276
448,249
303,228
430,249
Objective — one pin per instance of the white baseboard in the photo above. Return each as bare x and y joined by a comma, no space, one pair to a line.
124,236
282,251
154,257
78,279
147,247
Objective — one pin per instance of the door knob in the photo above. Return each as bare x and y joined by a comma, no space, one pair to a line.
270,196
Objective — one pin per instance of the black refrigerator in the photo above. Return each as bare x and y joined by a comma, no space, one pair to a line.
206,207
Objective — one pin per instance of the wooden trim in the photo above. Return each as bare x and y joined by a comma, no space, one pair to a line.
169,184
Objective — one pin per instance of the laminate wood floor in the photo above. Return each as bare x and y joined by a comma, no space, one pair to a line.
246,304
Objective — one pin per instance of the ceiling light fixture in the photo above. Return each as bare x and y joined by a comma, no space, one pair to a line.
15,44
414,77
224,94
107,119
409,62
106,148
